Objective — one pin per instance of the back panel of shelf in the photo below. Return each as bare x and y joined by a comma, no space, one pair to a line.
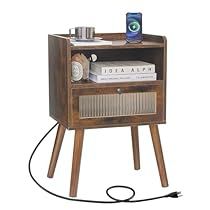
151,55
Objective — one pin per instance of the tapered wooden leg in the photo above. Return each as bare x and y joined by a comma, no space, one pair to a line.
159,154
78,142
135,145
56,150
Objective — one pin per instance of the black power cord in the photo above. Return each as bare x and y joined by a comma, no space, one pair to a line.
114,200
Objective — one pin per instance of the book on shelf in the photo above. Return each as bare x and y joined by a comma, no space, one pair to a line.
122,67
91,43
98,78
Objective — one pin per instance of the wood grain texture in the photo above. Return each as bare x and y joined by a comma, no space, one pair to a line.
78,142
64,94
120,36
135,145
58,80
63,98
56,150
159,154
164,72
119,41
91,84
122,120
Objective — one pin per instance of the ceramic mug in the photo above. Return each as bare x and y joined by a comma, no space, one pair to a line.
83,33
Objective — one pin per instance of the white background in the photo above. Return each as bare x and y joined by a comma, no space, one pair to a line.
107,153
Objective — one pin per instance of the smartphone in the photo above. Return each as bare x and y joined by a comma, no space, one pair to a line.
134,27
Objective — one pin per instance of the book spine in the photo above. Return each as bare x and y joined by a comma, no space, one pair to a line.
123,78
123,69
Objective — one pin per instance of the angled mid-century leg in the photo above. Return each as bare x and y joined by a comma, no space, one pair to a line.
78,142
159,154
135,145
56,150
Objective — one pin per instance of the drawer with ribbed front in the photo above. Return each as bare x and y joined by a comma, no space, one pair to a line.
114,105
138,104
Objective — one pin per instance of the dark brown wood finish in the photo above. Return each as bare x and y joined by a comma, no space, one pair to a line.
64,94
91,84
121,44
78,142
157,117
164,72
56,150
135,145
58,80
159,154
118,39
62,102
120,36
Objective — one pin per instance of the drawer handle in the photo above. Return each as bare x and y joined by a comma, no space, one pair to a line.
119,90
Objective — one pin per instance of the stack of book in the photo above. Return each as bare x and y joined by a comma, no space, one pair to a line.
122,71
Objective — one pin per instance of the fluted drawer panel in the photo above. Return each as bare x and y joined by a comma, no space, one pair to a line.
113,105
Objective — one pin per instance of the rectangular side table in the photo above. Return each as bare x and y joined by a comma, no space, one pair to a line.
85,104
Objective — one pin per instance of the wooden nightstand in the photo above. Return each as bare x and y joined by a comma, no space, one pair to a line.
85,104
